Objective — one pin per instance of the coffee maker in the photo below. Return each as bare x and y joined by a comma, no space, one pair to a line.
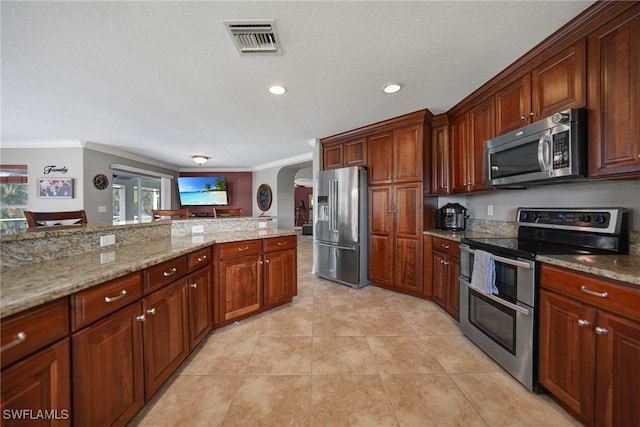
451,217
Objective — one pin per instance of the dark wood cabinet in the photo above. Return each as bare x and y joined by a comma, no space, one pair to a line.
40,382
590,346
240,286
440,155
557,84
614,97
380,158
280,267
200,295
107,369
395,236
446,269
332,156
344,154
461,179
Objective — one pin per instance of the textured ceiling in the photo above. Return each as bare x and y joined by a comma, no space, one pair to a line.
163,79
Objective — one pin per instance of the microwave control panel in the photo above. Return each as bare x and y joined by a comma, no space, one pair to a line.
561,150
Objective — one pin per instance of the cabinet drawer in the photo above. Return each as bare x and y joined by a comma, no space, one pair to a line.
599,292
27,332
92,304
280,243
238,249
199,258
159,275
446,246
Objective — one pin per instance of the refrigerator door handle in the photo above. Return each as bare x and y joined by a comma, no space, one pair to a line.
347,248
333,197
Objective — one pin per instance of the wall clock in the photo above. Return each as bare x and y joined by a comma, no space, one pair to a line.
101,181
264,197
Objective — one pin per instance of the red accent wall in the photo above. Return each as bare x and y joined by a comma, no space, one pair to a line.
239,188
302,193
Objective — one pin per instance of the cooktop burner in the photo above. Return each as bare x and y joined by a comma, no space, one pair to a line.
571,231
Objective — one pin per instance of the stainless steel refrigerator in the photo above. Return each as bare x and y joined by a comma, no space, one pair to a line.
340,225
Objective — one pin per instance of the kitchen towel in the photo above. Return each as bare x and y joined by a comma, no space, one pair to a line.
483,276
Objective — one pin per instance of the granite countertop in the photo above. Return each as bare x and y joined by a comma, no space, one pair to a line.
624,268
34,284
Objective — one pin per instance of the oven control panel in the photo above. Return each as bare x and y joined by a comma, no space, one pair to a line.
606,220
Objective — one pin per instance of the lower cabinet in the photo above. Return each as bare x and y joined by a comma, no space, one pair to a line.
200,305
445,262
280,270
240,281
590,346
107,369
39,382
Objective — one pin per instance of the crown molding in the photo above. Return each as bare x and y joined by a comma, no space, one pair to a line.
306,157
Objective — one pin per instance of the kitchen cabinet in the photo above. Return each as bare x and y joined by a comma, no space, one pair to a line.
396,156
557,84
446,269
200,296
280,270
345,154
165,332
35,363
590,346
440,155
395,236
614,97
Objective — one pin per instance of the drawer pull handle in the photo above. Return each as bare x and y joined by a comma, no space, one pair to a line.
584,289
445,246
20,337
582,322
246,248
170,272
202,258
151,311
122,294
601,331
282,243
194,285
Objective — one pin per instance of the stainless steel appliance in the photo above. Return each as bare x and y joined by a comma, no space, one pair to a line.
452,217
340,225
504,324
551,149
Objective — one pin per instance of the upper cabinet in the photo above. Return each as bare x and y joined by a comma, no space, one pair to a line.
396,156
614,97
344,154
439,155
557,84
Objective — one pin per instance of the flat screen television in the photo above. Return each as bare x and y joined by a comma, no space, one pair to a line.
202,191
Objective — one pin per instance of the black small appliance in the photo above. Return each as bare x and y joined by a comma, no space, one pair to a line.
451,217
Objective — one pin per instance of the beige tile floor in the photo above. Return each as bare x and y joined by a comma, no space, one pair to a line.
342,357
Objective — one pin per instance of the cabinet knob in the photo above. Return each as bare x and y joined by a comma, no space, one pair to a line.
266,261
193,285
141,318
445,246
523,118
601,331
582,322
151,311
533,113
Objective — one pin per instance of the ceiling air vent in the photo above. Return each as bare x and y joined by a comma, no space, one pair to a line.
254,36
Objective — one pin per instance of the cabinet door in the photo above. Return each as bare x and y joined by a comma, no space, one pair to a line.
355,152
481,128
380,165
40,382
280,277
407,154
200,305
513,105
440,279
380,235
560,83
567,352
617,371
241,286
407,207
453,287
332,156
460,159
614,97
166,335
108,386
440,160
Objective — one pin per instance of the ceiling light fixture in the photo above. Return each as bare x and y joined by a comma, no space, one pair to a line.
392,88
277,90
200,160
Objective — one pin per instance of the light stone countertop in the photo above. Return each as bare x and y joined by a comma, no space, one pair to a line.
30,285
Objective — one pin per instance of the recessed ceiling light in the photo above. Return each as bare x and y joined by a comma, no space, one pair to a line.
277,90
392,88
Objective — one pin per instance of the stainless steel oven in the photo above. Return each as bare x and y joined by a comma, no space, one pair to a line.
502,324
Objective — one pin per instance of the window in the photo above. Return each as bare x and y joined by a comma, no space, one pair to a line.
14,193
134,197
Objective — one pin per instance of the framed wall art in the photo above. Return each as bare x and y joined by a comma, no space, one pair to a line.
55,188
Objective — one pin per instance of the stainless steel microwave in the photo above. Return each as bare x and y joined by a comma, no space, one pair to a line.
551,149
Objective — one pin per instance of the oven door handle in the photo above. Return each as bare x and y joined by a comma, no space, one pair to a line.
500,301
509,261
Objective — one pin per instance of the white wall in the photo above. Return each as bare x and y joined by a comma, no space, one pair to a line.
625,194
